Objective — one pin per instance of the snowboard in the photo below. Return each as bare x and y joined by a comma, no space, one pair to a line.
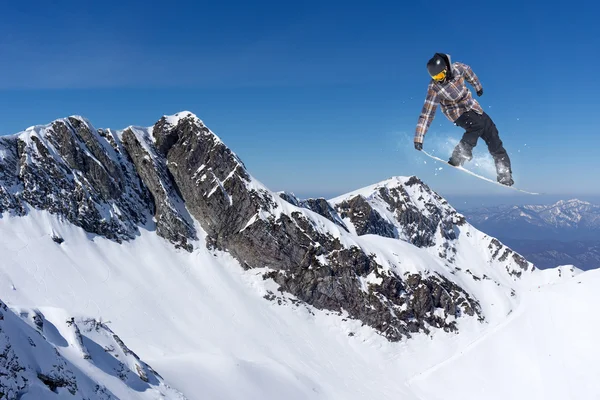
477,175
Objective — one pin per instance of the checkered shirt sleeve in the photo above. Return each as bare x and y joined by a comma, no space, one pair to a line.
427,114
469,75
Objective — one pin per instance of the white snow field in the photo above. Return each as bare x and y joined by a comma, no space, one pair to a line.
202,323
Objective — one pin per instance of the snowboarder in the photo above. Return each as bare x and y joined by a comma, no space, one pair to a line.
448,89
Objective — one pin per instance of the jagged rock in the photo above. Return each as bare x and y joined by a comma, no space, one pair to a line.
365,219
57,239
93,179
74,137
502,253
30,357
38,321
111,182
68,169
172,221
320,206
12,373
56,380
249,222
207,174
290,198
17,373
10,184
406,217
421,217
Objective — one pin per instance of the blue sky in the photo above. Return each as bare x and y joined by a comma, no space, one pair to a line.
320,97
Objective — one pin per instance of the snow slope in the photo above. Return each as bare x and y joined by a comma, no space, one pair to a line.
202,323
477,262
47,355
214,330
547,349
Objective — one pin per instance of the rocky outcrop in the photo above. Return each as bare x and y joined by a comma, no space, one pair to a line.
178,172
310,262
421,217
93,179
67,169
37,356
26,359
211,179
172,219
395,306
501,253
365,219
321,206
13,376
9,180
411,211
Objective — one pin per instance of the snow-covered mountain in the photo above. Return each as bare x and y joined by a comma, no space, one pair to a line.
567,232
584,254
63,355
565,220
230,290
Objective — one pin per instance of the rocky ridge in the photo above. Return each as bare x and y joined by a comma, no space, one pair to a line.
44,359
113,183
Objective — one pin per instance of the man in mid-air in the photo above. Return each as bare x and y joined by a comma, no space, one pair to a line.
448,89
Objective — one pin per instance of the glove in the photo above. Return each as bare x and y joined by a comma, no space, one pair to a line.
480,92
419,146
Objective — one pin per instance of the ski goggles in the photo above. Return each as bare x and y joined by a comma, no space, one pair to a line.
439,77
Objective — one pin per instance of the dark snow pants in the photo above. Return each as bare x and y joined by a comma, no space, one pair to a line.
477,126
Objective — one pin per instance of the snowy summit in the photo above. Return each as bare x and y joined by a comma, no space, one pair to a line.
148,262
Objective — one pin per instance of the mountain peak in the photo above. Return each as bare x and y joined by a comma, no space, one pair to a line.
175,118
169,176
370,190
393,258
572,202
574,219
40,128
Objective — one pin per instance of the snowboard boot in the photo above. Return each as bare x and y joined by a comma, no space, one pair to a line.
506,179
462,153
458,160
504,170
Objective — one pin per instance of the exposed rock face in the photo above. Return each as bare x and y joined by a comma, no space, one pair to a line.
17,373
308,261
503,253
68,169
111,183
416,219
365,219
9,169
394,306
89,177
419,216
13,379
172,220
34,355
211,179
320,206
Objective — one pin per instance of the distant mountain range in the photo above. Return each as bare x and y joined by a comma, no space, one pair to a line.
567,232
565,220
550,253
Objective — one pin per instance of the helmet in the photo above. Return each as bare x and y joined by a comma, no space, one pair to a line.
437,67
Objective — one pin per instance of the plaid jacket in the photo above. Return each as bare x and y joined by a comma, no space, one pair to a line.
453,96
